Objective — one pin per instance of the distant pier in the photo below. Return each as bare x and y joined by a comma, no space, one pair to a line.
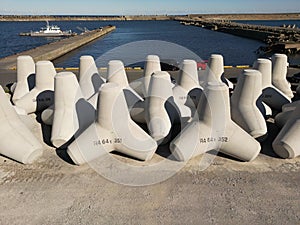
279,39
56,49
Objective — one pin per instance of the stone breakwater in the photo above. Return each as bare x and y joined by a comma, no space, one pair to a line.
278,39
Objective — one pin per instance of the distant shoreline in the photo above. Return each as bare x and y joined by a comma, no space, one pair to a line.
260,16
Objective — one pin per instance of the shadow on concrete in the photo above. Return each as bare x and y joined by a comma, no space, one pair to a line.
62,153
266,146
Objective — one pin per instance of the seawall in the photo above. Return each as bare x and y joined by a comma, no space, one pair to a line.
234,16
284,39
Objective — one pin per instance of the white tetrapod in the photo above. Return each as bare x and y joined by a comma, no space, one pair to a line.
16,140
279,72
72,113
287,111
160,106
272,96
25,76
152,64
287,142
157,118
187,91
48,114
215,70
213,129
113,130
89,78
41,96
244,101
116,74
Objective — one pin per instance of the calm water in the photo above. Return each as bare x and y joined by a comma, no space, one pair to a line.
201,42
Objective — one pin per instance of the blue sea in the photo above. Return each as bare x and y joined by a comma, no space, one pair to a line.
165,38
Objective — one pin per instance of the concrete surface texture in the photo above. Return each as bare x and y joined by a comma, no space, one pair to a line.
152,64
272,96
17,141
54,191
71,111
245,101
42,95
287,111
116,74
279,71
187,90
214,130
89,78
207,189
113,130
25,68
286,144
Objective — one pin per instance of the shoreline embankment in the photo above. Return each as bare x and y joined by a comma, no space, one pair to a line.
246,16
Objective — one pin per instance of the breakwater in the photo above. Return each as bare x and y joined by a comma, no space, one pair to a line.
83,18
56,49
279,39
259,16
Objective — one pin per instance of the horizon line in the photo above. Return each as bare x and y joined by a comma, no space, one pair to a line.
181,14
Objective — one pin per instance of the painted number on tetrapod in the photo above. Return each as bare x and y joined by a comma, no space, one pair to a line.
41,100
213,139
187,97
106,141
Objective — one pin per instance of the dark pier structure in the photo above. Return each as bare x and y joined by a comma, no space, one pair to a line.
285,39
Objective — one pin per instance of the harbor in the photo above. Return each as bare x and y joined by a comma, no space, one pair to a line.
279,39
58,48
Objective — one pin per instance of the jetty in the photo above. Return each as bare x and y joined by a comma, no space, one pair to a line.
285,39
56,49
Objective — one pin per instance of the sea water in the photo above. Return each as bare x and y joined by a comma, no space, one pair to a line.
202,42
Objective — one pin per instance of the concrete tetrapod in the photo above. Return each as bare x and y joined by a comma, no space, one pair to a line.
285,115
272,96
152,65
244,100
160,109
25,73
214,129
116,74
41,96
160,106
16,140
72,113
89,78
188,90
215,70
113,130
287,142
47,115
279,72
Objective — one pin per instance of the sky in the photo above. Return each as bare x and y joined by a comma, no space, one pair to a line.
143,7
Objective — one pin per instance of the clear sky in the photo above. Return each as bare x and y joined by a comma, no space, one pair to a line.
140,7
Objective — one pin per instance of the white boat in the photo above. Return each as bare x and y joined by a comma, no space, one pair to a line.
50,31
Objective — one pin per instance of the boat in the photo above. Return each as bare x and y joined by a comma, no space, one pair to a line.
49,31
